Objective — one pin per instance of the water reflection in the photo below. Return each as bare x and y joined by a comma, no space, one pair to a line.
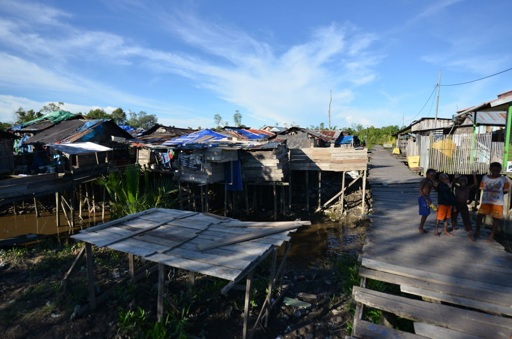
310,245
12,225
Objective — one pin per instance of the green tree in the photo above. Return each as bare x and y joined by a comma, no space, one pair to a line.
237,118
97,113
142,120
119,116
217,119
5,126
23,116
52,107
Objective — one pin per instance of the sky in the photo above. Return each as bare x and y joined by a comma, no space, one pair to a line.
288,63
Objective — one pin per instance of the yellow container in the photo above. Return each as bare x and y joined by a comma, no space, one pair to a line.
413,161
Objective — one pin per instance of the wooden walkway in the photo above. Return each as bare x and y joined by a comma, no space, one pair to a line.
449,287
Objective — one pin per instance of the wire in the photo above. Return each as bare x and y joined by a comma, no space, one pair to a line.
433,91
468,82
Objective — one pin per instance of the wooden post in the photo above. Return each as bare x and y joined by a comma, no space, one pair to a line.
72,211
57,210
225,199
248,295
206,200
274,190
319,190
80,207
131,266
35,206
307,190
103,206
290,192
364,193
90,276
160,303
270,285
342,199
180,196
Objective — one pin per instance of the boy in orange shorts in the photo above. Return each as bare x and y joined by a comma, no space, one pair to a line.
493,187
446,200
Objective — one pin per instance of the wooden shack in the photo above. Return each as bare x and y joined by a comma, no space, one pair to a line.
6,152
204,165
267,162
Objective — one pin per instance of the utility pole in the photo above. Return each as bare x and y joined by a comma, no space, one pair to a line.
329,112
437,103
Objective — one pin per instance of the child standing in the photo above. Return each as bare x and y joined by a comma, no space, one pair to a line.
462,190
493,187
424,202
445,200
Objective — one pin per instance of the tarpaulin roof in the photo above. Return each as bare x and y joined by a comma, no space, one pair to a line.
202,136
80,148
53,117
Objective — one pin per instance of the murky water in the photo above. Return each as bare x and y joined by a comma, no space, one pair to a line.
12,225
310,245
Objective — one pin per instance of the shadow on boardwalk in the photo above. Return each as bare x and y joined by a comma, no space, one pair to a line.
448,286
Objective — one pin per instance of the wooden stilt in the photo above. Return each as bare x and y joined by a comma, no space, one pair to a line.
80,194
35,206
319,190
248,294
90,276
270,285
103,206
364,193
290,192
180,194
131,266
274,191
225,199
342,199
307,190
160,304
72,211
57,210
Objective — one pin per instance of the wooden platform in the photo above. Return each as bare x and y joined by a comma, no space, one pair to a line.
450,287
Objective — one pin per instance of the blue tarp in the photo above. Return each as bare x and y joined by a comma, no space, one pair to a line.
203,136
347,140
234,176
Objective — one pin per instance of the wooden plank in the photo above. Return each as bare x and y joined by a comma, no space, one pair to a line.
219,260
366,329
431,277
491,297
195,266
466,321
432,331
157,240
467,302
247,237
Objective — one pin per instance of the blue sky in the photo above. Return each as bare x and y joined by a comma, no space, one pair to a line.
276,62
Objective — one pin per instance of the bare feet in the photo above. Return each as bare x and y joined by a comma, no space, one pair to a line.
490,239
448,234
454,228
422,230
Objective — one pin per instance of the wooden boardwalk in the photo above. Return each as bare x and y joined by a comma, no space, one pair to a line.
449,287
